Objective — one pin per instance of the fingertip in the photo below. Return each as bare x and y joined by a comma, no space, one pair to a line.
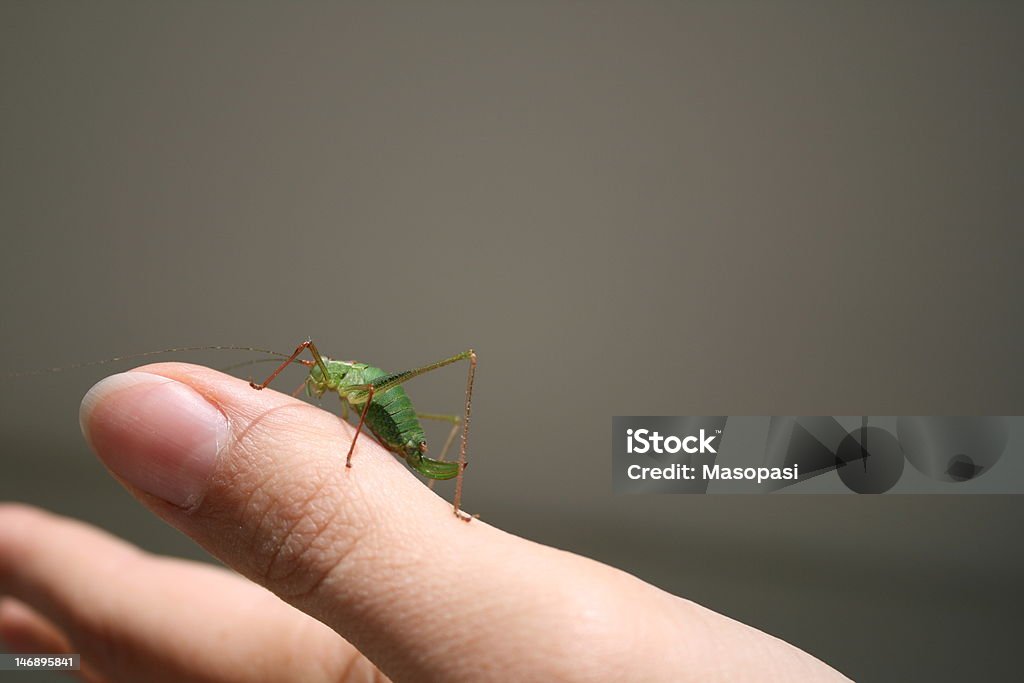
155,433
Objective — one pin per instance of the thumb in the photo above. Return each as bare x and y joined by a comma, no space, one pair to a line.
258,479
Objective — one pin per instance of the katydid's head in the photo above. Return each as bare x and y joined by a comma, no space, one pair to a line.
318,382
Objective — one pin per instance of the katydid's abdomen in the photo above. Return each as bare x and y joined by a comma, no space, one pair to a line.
393,421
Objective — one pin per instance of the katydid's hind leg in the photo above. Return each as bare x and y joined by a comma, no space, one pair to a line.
317,359
465,438
455,421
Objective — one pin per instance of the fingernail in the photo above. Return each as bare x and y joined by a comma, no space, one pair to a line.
157,434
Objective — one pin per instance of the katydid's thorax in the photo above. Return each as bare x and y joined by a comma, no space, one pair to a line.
390,416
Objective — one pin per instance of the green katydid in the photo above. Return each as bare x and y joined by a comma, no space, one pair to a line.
385,409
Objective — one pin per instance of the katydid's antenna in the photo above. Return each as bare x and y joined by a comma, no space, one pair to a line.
144,354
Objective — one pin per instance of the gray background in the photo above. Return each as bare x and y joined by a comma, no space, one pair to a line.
628,208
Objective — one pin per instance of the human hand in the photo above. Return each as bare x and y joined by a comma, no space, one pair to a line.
376,564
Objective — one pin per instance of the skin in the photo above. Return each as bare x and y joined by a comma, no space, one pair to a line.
342,575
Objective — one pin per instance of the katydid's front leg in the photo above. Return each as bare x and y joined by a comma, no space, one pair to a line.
317,359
